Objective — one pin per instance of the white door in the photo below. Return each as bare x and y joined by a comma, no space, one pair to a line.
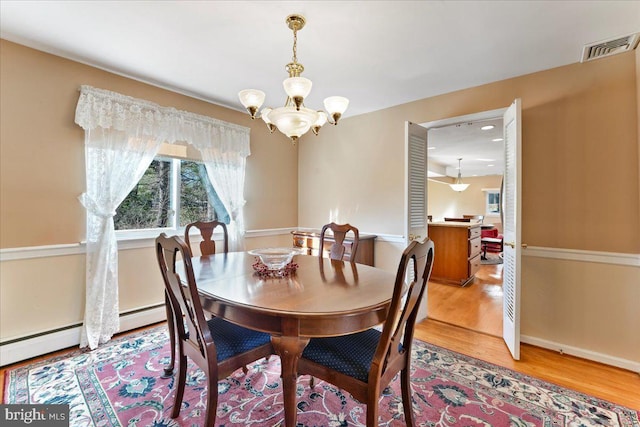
416,185
416,192
511,207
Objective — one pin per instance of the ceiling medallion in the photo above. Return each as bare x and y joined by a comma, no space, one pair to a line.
294,119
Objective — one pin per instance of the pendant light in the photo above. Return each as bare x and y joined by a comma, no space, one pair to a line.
458,185
294,119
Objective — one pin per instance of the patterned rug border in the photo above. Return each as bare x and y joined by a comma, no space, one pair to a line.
14,374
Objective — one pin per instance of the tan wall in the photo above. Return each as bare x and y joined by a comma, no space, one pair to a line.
590,306
42,162
444,202
580,190
579,150
42,174
38,295
42,294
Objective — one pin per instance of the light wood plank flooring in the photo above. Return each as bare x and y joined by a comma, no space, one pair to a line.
476,306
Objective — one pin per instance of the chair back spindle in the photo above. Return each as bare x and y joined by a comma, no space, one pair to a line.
338,248
397,333
206,228
184,300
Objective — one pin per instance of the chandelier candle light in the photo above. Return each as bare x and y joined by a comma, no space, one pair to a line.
458,185
294,119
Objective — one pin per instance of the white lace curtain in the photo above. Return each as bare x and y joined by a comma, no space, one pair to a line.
224,173
122,136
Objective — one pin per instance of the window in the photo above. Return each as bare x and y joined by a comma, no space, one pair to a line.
493,202
171,194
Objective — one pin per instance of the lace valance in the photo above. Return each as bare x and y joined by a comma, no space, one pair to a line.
111,110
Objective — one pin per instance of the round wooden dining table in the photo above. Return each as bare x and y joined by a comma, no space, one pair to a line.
320,298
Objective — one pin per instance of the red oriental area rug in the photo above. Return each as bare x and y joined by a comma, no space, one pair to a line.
120,384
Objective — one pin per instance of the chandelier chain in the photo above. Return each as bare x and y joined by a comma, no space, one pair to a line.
295,46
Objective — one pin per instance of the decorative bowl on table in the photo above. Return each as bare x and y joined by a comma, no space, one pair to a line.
276,258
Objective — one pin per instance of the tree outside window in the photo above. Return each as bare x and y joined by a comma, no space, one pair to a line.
171,194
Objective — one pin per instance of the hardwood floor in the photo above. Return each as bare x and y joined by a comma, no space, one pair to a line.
606,382
469,320
476,306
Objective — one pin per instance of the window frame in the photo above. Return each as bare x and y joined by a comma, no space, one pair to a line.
488,192
174,207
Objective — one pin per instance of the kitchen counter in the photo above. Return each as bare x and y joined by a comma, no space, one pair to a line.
457,251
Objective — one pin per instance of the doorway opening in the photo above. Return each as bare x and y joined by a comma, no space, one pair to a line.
477,140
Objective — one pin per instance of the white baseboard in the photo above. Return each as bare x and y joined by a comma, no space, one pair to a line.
48,342
583,353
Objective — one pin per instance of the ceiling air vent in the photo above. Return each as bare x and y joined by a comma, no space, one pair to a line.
610,47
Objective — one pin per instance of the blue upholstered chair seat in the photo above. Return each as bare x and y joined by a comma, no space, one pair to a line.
349,354
232,339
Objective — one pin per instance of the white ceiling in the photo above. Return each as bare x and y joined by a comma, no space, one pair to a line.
481,151
376,53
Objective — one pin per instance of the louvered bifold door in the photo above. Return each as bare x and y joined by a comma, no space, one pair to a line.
416,163
416,192
511,199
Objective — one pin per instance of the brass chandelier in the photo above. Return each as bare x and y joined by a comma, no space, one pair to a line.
294,119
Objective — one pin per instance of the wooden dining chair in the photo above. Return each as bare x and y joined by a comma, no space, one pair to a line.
207,247
338,248
206,228
218,347
364,363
